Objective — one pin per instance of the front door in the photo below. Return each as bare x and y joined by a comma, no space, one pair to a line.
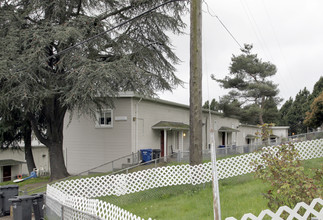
223,138
6,173
162,143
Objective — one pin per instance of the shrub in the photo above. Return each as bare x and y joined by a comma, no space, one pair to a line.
281,166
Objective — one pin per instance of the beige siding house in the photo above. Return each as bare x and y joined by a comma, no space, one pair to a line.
137,123
133,124
13,163
247,135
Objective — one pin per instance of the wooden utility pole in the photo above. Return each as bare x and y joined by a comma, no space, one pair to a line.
196,101
196,83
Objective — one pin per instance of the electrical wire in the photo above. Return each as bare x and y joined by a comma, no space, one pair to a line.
256,30
111,29
104,32
223,25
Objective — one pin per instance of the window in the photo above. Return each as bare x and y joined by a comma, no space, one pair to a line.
104,118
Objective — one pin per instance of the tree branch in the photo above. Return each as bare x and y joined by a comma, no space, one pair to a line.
38,133
30,19
103,17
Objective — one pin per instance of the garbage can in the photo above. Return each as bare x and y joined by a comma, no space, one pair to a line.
156,153
38,202
21,207
146,154
7,192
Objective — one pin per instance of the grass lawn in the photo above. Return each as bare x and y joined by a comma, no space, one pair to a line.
239,195
39,184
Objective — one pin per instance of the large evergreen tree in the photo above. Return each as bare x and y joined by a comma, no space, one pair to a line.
249,81
214,106
271,113
283,112
297,112
314,117
317,89
40,75
14,128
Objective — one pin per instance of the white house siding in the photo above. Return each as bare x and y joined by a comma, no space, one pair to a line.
248,130
149,114
221,121
87,146
280,131
40,154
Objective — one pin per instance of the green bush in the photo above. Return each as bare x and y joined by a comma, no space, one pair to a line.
289,184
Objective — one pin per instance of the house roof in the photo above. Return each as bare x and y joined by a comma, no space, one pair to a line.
169,125
273,136
10,162
250,136
228,129
157,100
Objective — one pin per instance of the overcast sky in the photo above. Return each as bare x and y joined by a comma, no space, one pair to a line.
288,33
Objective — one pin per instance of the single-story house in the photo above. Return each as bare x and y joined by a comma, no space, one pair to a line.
137,123
13,162
247,134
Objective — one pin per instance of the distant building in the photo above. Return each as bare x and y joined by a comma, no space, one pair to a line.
13,163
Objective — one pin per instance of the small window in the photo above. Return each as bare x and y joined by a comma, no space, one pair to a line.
104,118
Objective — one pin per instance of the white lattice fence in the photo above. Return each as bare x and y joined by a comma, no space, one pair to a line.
291,213
122,184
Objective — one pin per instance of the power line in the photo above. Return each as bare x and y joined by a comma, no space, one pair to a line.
111,29
223,25
256,30
104,32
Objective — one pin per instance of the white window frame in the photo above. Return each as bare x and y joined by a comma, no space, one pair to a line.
98,118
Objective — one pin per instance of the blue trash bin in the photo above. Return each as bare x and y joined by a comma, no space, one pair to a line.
146,154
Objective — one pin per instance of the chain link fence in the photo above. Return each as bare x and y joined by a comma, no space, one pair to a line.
61,212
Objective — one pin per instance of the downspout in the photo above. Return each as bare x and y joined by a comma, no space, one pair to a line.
206,133
137,125
165,145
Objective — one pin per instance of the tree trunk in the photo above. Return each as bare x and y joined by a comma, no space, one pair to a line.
196,83
28,151
54,115
57,164
55,135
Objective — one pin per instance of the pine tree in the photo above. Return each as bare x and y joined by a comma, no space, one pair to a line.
317,89
271,113
283,111
314,117
297,112
249,81
214,106
39,73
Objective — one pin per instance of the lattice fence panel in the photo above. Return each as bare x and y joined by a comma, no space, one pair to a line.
291,213
122,184
310,149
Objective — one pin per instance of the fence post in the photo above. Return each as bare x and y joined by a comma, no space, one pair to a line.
62,214
178,156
